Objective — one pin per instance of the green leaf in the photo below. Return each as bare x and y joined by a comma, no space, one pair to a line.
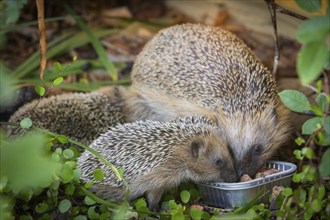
178,216
308,213
105,216
64,205
66,173
299,141
58,66
324,138
324,167
311,125
26,123
311,60
307,152
287,191
327,124
298,155
321,100
69,189
300,195
12,10
196,214
297,177
92,214
172,204
140,203
58,81
309,5
185,196
63,139
80,217
98,174
280,213
40,90
317,111
295,100
41,207
26,164
321,192
67,154
77,174
89,201
316,205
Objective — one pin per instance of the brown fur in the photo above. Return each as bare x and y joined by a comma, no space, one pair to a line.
158,156
196,69
81,116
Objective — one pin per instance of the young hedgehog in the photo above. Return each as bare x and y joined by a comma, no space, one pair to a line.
205,70
81,116
157,156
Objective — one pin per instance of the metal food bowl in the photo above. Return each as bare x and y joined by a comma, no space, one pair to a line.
230,195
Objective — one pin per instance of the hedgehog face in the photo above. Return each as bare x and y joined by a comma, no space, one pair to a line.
211,161
254,138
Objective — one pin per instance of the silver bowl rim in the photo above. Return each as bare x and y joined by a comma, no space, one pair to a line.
255,182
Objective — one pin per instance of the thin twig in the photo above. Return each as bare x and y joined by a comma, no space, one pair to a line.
42,34
272,10
282,10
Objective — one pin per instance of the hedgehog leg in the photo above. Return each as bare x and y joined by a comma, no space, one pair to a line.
154,198
107,191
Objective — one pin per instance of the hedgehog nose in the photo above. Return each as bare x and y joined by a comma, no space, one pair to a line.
239,171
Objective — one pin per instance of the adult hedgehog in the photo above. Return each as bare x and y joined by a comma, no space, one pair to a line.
196,69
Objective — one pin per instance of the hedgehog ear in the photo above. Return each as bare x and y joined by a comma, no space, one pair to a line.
196,147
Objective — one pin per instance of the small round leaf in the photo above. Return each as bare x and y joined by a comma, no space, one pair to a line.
92,214
67,154
80,217
287,192
196,214
26,123
89,201
98,174
185,196
64,205
40,90
41,207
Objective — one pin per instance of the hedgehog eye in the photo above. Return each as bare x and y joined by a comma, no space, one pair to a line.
257,149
